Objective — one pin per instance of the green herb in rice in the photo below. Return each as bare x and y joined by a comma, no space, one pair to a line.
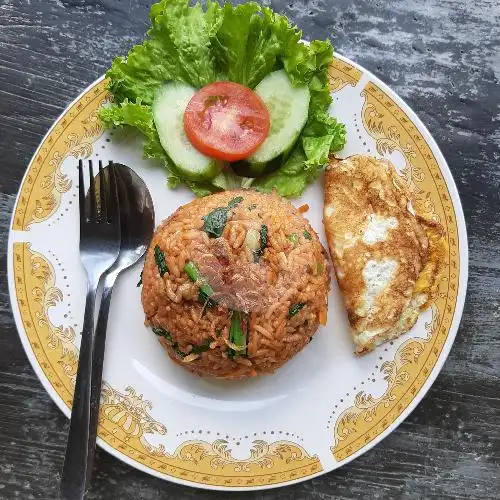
160,261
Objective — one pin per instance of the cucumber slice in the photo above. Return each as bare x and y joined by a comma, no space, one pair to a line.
288,109
168,113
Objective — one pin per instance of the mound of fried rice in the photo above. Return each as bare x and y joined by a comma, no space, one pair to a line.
267,273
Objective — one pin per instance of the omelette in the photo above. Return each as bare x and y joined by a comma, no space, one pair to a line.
388,260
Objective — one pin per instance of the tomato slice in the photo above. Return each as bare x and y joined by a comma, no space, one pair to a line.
226,120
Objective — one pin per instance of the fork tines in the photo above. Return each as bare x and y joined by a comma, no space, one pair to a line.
99,204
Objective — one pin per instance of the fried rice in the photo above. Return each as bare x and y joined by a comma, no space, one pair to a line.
235,284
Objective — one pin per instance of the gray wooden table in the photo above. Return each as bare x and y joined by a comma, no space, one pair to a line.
442,56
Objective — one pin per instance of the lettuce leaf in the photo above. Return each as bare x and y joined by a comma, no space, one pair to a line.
248,42
240,43
291,179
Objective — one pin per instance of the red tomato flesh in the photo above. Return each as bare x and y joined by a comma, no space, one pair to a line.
226,120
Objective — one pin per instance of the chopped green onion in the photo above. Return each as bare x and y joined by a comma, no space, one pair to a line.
293,238
204,298
295,309
206,291
307,235
237,332
160,261
192,271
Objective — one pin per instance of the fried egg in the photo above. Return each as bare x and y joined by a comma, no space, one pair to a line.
388,260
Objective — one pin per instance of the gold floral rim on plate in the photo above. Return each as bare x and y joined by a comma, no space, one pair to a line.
72,135
126,424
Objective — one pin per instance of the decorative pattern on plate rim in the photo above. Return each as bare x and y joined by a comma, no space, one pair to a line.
341,73
124,419
369,416
73,135
53,346
392,130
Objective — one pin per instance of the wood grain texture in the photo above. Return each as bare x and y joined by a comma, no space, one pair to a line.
442,56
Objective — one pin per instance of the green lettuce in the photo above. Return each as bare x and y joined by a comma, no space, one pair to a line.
243,44
291,178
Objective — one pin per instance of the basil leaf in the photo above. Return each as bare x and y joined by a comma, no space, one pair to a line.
295,309
263,243
236,334
215,222
160,261
235,202
162,333
198,349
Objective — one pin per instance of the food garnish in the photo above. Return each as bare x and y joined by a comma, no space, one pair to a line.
226,120
162,333
206,291
293,238
189,47
293,310
237,333
197,349
215,222
257,254
160,261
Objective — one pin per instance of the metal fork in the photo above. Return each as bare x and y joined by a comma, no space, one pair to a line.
99,247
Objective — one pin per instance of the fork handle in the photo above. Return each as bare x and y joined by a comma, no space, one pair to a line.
97,364
76,464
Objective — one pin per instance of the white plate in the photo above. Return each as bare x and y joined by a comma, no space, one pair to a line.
322,409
